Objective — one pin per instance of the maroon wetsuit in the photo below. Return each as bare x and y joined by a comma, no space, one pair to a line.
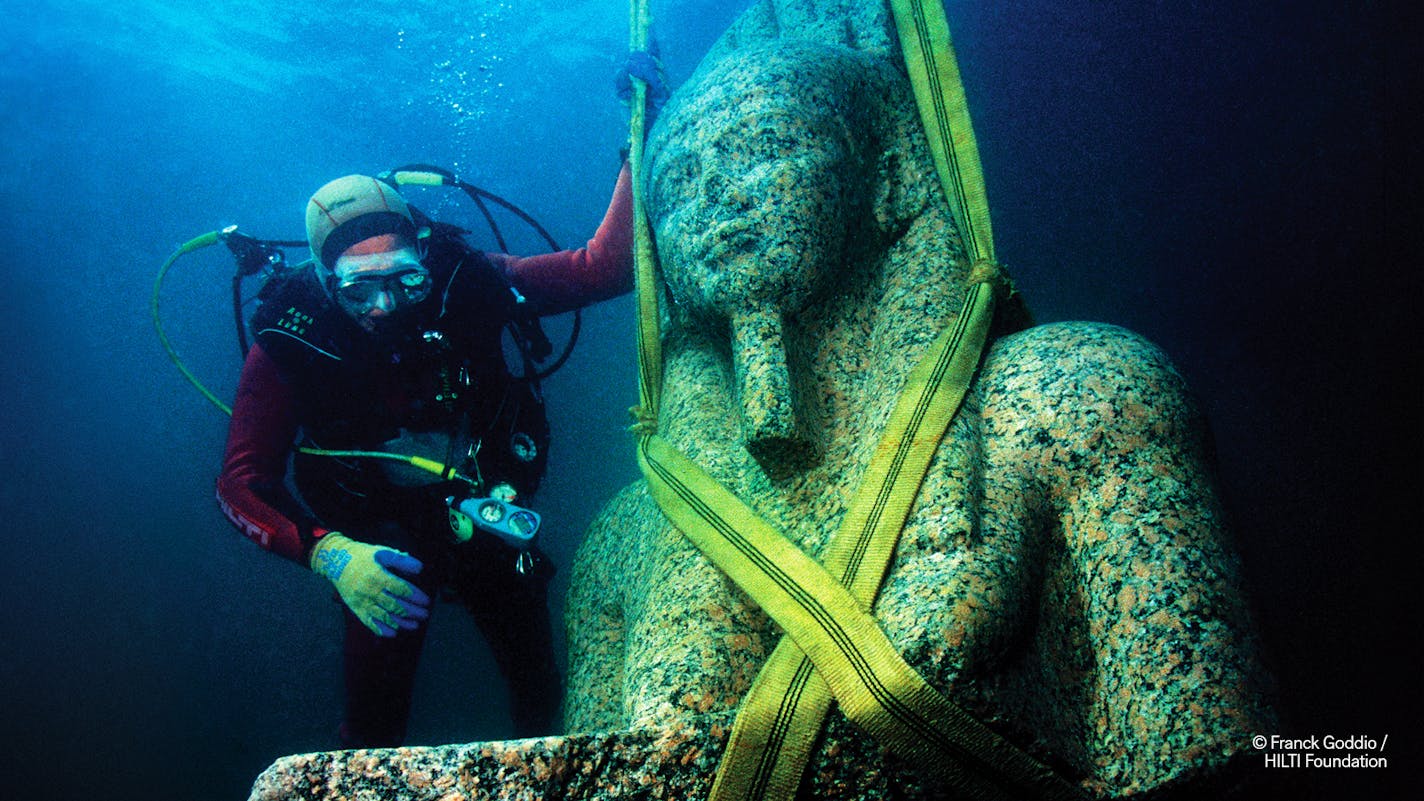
252,492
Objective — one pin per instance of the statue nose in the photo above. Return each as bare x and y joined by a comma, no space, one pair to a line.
773,427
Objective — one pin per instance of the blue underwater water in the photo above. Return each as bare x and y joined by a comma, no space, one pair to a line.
1215,175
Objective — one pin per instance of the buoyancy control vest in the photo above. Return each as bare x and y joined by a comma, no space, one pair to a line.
442,376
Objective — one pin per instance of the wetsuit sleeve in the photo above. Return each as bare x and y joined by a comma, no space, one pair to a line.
569,279
251,488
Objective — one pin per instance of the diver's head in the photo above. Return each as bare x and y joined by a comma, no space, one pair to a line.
363,236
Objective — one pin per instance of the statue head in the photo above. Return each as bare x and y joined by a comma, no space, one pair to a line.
774,176
757,167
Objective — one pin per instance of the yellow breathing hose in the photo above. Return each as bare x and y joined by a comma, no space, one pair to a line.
196,243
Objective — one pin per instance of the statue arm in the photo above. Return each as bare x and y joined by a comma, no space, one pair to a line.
1122,456
596,629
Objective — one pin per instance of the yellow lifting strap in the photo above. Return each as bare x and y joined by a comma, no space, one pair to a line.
787,704
944,112
650,351
836,650
825,615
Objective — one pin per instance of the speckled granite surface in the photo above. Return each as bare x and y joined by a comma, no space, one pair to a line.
1064,574
634,765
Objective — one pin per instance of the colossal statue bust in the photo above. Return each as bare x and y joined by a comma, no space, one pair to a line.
1064,574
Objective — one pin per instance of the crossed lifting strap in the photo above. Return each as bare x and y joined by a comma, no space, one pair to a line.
823,608
835,650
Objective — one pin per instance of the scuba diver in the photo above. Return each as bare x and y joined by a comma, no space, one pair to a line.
392,341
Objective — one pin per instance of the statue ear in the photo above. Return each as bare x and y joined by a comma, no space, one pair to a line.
888,196
903,177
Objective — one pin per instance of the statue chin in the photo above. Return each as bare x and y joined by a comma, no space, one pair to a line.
783,457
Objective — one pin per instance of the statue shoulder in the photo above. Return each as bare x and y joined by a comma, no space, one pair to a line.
1085,388
1063,354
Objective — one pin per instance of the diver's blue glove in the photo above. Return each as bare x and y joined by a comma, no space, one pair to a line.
646,67
362,574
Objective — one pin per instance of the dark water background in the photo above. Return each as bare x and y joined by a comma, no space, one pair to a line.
1219,176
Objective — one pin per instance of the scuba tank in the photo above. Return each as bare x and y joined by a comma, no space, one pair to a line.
489,511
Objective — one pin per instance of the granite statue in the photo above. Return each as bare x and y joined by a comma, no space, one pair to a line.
1065,574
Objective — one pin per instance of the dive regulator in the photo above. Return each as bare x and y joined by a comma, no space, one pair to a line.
498,516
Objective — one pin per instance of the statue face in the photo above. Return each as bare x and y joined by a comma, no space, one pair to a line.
749,203
753,184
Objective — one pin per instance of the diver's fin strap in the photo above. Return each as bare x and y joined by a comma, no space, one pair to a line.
934,74
874,686
785,709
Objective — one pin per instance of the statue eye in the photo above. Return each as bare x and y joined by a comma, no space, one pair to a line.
675,180
773,143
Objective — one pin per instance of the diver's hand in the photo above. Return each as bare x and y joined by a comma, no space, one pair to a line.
362,574
646,67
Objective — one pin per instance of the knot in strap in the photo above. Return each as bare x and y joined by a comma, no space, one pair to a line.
645,421
1013,312
988,271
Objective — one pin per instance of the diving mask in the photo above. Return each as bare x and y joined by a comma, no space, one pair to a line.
363,293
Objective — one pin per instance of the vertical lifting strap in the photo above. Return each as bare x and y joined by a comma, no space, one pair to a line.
944,112
835,649
650,352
